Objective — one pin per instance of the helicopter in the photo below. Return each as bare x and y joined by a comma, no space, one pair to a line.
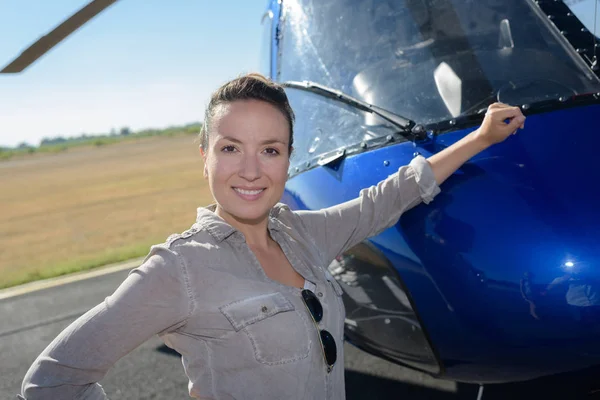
496,280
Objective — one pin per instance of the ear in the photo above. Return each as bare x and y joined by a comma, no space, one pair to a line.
290,152
203,154
290,155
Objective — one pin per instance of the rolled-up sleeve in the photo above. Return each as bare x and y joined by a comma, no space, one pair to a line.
154,298
425,179
336,229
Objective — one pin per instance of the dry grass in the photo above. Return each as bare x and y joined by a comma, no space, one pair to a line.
88,207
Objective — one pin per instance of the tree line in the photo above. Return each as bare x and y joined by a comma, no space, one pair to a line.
60,143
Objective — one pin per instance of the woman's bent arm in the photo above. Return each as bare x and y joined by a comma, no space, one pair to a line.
338,228
153,299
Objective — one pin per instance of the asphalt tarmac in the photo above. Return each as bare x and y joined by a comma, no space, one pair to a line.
29,322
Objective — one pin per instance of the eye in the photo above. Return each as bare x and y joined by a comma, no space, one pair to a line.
228,149
271,151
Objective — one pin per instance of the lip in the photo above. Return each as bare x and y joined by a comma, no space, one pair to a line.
249,194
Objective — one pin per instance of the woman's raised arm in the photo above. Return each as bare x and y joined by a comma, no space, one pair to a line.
494,129
336,229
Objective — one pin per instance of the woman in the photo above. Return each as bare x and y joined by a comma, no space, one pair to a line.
244,295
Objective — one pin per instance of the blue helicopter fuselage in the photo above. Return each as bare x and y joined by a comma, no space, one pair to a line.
497,279
522,213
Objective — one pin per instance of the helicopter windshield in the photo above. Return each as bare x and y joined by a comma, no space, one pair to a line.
430,60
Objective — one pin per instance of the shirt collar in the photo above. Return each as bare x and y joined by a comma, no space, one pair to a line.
221,230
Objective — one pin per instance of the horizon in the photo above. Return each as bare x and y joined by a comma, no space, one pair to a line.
53,140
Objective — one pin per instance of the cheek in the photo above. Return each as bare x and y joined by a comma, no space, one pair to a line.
220,168
277,170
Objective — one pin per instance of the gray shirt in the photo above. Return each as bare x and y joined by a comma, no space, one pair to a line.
241,335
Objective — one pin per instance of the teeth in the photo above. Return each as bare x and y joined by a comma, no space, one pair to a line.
248,192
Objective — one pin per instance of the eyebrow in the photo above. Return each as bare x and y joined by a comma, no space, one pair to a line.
268,141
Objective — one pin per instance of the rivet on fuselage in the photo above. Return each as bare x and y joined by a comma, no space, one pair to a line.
386,163
525,106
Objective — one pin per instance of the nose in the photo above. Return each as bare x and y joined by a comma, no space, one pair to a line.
250,167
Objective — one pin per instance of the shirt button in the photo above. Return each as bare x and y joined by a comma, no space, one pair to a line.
264,309
320,294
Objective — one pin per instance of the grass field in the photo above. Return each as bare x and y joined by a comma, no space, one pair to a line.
87,207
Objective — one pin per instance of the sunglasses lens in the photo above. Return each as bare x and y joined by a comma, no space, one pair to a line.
329,347
316,309
313,304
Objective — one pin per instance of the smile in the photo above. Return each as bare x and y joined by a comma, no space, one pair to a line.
249,194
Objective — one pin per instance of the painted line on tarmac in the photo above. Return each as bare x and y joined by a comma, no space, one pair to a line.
63,280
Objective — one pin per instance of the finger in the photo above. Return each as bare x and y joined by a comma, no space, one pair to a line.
507,113
498,105
515,123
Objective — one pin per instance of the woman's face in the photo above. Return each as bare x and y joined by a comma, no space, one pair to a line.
246,160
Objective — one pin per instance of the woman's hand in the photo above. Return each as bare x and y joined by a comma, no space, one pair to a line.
500,122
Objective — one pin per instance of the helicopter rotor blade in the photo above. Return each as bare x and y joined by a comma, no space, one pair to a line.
51,39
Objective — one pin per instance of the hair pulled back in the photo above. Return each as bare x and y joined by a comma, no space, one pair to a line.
251,86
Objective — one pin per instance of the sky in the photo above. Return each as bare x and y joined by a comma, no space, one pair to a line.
139,63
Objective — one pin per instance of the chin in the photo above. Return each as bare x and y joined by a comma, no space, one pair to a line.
248,213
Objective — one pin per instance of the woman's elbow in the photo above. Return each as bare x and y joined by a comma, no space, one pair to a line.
42,383
29,389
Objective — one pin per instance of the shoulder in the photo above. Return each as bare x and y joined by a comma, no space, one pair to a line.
281,210
282,214
196,235
293,224
173,251
305,221
169,263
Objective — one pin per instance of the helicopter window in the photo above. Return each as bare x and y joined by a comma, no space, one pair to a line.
323,126
266,43
429,60
587,12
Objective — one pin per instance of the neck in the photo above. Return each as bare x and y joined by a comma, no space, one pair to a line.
255,231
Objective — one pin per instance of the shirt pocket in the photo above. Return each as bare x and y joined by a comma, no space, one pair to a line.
278,332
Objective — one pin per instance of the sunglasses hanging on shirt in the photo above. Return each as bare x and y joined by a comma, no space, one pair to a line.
328,345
